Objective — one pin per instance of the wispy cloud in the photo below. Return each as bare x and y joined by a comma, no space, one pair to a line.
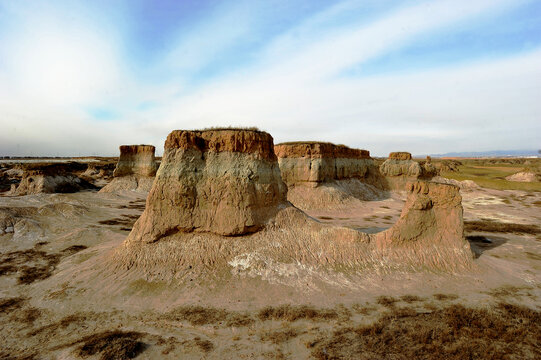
246,63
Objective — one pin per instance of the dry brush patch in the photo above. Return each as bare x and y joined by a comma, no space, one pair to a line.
455,332
297,312
33,264
199,315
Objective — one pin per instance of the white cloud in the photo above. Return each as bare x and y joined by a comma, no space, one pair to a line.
293,89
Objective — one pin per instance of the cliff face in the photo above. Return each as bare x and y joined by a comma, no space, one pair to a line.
135,169
314,163
225,182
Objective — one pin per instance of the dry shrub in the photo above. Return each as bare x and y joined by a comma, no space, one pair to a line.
296,312
387,301
506,291
33,264
9,304
199,315
456,332
62,324
494,226
279,336
111,345
204,345
444,297
363,309
411,298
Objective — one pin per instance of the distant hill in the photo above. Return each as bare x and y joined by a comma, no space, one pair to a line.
494,153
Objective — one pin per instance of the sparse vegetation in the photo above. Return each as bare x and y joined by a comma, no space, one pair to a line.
455,332
445,297
296,312
112,345
387,301
411,298
279,336
199,315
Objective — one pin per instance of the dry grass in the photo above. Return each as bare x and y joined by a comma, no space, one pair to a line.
494,226
445,297
296,312
456,332
387,301
61,324
111,345
279,336
236,128
199,315
9,304
510,291
411,298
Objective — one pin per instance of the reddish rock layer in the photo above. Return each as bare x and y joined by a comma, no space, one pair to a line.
238,141
319,150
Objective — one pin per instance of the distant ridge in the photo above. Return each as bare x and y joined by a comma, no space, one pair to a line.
493,153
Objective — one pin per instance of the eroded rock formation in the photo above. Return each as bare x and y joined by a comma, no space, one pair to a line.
312,163
218,206
224,182
135,169
324,175
51,178
400,168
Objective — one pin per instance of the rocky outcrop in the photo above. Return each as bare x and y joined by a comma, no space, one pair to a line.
432,214
325,175
312,163
400,168
51,178
135,169
224,182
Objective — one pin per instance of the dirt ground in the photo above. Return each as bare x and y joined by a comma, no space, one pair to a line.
54,306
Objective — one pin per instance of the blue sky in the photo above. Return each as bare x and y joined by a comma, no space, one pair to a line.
80,77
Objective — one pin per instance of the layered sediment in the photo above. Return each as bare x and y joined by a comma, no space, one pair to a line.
325,175
51,178
135,169
315,162
224,182
400,168
218,206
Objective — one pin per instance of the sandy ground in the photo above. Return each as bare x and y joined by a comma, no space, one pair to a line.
49,308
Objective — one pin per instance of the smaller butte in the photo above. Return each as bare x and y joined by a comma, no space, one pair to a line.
325,175
400,168
51,178
135,169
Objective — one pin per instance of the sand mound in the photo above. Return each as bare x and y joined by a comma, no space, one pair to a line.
296,250
524,177
135,169
325,175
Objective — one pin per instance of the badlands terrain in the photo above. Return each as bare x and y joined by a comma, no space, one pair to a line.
230,246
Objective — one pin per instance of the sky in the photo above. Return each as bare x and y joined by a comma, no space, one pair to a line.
83,77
